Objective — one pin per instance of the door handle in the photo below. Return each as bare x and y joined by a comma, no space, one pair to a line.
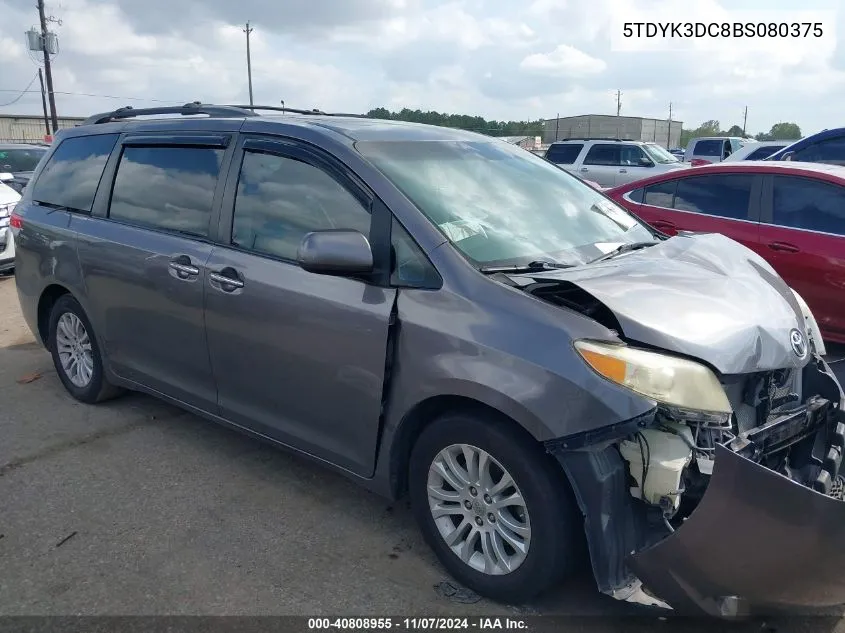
663,224
785,247
226,282
623,171
183,267
584,169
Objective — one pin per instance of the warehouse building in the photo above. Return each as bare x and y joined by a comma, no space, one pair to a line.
30,128
629,128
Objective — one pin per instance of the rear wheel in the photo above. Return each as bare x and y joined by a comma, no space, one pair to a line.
494,506
76,354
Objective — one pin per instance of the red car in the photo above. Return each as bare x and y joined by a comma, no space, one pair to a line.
792,214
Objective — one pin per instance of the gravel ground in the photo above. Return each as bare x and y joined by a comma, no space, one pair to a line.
134,507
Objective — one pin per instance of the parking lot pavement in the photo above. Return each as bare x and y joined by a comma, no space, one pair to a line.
136,508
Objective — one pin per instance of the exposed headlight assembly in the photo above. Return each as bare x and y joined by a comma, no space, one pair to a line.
682,384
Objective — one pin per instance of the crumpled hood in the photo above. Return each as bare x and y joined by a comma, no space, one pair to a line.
703,295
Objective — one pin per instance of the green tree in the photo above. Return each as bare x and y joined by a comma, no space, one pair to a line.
785,132
734,130
462,121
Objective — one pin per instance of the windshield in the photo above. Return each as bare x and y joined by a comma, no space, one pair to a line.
14,160
501,205
660,155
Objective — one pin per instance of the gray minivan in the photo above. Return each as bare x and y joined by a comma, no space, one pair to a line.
438,313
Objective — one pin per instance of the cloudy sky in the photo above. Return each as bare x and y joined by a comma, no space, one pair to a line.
503,59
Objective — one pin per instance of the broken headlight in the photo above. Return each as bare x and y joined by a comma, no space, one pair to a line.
677,383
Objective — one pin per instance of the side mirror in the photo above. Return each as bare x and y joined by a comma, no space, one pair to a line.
645,161
6,176
789,156
335,252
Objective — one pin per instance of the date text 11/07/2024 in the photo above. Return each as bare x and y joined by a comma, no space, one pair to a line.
417,623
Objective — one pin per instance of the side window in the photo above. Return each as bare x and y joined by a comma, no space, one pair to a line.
603,154
661,194
636,195
564,153
409,265
764,152
280,199
166,188
72,174
708,147
802,203
630,155
725,196
830,150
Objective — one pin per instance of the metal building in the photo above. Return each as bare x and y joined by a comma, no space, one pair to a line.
666,133
29,128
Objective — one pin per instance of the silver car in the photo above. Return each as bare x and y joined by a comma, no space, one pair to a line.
437,313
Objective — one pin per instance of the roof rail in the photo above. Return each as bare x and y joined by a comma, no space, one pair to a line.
284,109
597,138
188,109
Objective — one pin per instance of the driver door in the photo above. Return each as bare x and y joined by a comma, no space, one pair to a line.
297,356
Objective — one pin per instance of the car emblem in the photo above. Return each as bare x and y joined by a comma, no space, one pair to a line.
799,345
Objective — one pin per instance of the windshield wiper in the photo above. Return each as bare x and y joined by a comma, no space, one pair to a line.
530,267
622,248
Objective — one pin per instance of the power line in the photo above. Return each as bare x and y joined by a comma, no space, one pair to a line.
22,93
88,94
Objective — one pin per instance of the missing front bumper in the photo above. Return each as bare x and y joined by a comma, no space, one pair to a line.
757,539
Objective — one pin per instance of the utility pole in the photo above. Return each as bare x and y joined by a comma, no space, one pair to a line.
744,119
557,125
618,102
47,70
44,102
249,30
669,136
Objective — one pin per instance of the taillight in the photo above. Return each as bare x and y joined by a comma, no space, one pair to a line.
16,221
698,162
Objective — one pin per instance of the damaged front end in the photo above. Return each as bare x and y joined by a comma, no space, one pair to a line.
725,513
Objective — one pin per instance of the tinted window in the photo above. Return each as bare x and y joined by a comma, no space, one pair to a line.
802,203
723,195
281,199
168,188
630,155
603,154
636,195
831,150
709,147
70,177
763,152
410,266
16,159
564,154
661,194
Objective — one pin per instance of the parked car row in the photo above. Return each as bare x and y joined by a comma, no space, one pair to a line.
20,160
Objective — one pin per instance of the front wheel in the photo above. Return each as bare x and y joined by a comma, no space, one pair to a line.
494,506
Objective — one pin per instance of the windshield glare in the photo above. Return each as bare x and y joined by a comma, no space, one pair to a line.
659,154
15,160
501,205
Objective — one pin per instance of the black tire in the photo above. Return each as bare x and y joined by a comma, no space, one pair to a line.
556,524
98,388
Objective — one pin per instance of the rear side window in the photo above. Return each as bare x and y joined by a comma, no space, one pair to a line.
708,147
725,195
830,150
281,199
661,194
564,154
72,174
802,203
603,154
166,188
764,152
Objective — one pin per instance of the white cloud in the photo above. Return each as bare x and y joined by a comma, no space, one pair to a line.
494,58
563,61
